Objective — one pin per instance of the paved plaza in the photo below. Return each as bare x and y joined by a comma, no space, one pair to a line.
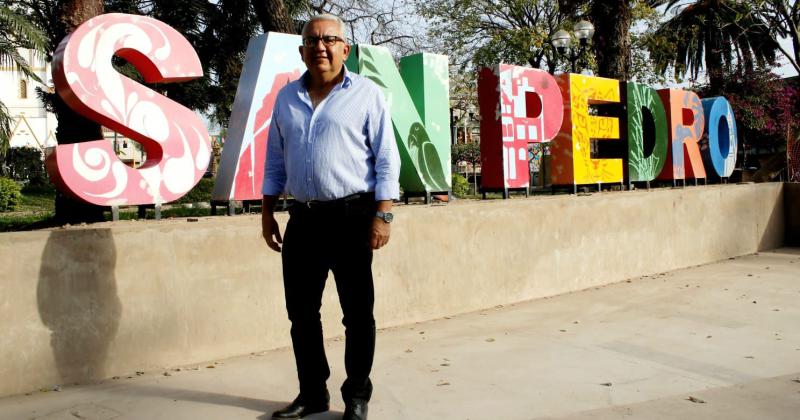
719,341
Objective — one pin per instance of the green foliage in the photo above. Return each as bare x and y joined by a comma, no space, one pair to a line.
38,200
10,194
201,193
716,35
14,222
476,33
25,165
783,18
642,69
166,213
469,153
460,186
17,31
765,107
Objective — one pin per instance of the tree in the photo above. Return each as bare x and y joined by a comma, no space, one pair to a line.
765,106
612,20
16,32
389,23
58,18
646,21
469,153
479,33
72,127
717,35
231,25
783,17
273,16
24,164
612,40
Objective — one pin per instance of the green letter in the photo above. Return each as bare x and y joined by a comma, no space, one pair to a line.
419,103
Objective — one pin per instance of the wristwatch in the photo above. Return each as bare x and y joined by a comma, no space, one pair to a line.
386,217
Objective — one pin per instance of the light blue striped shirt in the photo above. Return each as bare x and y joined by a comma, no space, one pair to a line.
344,146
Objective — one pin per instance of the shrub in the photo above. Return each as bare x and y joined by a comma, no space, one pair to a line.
10,194
460,186
201,193
765,107
25,165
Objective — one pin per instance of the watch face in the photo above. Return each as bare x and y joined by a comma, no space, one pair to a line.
388,217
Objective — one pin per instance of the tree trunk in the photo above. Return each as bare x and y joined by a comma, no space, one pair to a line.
74,12
73,128
612,40
795,37
273,16
713,61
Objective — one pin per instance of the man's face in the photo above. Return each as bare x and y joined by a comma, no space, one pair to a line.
319,57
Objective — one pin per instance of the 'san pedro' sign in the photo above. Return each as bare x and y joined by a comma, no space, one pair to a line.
518,105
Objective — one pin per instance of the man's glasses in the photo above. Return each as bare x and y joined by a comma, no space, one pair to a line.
328,40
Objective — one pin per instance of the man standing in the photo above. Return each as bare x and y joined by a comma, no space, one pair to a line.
332,147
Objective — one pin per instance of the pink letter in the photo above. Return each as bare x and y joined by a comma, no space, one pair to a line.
173,137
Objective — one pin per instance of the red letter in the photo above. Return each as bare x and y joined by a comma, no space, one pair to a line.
519,105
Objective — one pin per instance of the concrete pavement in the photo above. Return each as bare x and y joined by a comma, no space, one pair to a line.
716,341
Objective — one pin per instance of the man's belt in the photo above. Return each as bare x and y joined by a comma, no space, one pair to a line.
344,202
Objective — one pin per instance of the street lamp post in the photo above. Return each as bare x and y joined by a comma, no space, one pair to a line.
561,40
469,113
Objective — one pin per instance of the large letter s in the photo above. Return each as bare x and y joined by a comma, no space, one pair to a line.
173,137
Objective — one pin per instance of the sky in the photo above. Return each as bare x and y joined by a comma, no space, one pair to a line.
786,69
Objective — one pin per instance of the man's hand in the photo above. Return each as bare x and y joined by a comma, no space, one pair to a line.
269,226
379,235
270,229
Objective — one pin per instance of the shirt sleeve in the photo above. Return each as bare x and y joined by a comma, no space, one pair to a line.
384,147
274,165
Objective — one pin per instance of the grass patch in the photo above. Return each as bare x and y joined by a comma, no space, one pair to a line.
37,202
167,213
14,222
35,211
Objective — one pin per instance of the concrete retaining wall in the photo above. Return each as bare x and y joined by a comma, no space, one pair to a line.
792,210
81,304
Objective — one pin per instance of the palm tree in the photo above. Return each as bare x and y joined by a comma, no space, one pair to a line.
273,16
612,20
16,32
783,17
715,35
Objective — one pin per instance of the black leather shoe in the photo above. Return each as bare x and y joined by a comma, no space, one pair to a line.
356,410
300,408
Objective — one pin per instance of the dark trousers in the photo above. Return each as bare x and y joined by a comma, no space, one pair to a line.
330,237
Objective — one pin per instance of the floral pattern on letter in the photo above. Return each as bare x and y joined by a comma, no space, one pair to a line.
173,137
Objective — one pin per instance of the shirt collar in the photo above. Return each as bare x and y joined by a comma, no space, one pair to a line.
347,80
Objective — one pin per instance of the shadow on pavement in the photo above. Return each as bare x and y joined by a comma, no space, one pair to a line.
783,251
265,406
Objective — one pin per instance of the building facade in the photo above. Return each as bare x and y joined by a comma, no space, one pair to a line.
31,124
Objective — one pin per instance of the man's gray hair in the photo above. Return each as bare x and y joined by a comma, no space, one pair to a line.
328,17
